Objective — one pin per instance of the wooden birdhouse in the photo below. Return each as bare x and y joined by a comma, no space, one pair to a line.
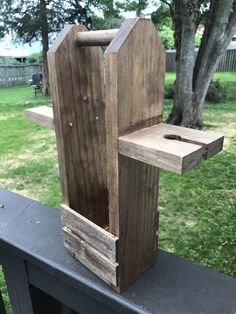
107,114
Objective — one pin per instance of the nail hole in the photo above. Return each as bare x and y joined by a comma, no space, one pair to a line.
172,137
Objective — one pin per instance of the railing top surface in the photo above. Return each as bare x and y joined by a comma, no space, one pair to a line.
172,283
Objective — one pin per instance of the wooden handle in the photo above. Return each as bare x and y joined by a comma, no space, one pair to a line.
95,38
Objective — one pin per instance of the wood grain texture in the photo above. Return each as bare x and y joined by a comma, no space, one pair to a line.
77,87
95,236
96,38
134,79
179,152
103,267
42,116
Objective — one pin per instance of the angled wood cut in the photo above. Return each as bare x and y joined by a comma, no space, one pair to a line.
107,115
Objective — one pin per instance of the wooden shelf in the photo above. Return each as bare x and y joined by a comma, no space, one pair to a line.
170,147
173,148
42,116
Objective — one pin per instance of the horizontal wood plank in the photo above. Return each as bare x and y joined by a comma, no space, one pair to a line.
174,148
42,116
103,267
97,237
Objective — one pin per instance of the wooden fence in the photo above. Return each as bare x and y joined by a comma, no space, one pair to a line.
227,64
13,75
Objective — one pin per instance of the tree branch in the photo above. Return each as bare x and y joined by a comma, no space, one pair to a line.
231,27
167,3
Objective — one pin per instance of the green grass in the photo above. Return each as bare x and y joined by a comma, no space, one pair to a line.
197,209
27,152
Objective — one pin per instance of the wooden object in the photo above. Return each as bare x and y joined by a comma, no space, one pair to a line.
152,145
41,115
111,143
77,88
170,147
134,99
96,38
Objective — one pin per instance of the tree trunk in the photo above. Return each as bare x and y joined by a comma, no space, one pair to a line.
182,111
44,32
46,86
193,75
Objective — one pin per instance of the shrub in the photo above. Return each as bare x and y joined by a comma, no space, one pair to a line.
216,92
35,57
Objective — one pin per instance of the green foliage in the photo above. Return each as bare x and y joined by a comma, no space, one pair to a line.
167,37
198,39
8,60
216,92
222,87
137,5
30,19
102,23
36,57
161,17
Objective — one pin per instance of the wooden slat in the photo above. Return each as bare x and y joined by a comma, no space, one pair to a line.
179,152
134,79
97,237
103,267
77,88
42,116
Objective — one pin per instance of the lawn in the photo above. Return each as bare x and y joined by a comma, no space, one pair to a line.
197,209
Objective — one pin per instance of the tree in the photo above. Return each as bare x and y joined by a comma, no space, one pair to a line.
37,19
110,14
194,73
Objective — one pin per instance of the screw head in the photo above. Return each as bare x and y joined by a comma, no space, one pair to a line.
1,205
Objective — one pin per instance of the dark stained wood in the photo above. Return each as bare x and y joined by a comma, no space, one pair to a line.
16,276
42,116
76,79
94,235
96,38
134,78
171,147
103,267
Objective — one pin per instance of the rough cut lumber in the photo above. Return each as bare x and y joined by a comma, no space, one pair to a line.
42,116
95,38
170,147
97,237
134,80
77,88
103,267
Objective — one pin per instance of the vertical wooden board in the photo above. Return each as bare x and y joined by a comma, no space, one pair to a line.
77,86
138,191
134,71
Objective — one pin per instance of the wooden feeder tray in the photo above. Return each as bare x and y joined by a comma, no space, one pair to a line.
107,115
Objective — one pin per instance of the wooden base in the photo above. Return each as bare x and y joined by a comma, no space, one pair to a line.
91,245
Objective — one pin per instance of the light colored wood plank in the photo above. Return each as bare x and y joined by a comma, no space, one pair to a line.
134,80
103,267
96,38
42,116
179,152
97,237
77,88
